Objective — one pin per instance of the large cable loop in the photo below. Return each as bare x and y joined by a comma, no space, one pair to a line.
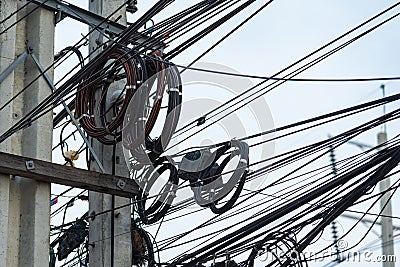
94,115
141,116
162,203
211,189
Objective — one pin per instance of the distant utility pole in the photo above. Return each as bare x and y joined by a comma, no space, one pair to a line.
385,202
386,205
25,203
109,234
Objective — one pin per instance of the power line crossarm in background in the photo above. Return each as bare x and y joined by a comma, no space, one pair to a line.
366,220
50,83
44,171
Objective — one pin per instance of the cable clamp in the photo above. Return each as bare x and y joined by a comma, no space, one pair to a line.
128,87
173,90
243,160
85,115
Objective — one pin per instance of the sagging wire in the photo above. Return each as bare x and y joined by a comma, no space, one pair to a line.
206,115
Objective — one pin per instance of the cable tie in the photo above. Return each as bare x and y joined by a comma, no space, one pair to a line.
128,87
173,90
85,115
243,160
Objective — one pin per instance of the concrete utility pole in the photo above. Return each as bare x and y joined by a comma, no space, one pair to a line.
100,230
25,203
386,207
386,204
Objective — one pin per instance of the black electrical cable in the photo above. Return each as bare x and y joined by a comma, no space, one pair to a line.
271,78
23,17
160,206
237,235
208,186
290,75
15,12
230,33
189,42
344,112
376,177
202,18
379,120
23,126
296,62
74,50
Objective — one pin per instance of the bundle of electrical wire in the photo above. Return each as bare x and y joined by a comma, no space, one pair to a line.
141,116
92,114
210,189
160,206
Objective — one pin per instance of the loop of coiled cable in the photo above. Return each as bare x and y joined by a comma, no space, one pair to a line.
92,113
141,116
211,184
160,206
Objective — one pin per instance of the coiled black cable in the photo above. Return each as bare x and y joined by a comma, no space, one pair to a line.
140,118
160,206
211,182
87,108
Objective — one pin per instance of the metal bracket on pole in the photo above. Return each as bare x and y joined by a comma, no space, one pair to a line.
50,83
79,14
64,9
13,65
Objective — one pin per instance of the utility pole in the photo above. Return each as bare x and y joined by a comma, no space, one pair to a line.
386,204
109,234
386,207
25,203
